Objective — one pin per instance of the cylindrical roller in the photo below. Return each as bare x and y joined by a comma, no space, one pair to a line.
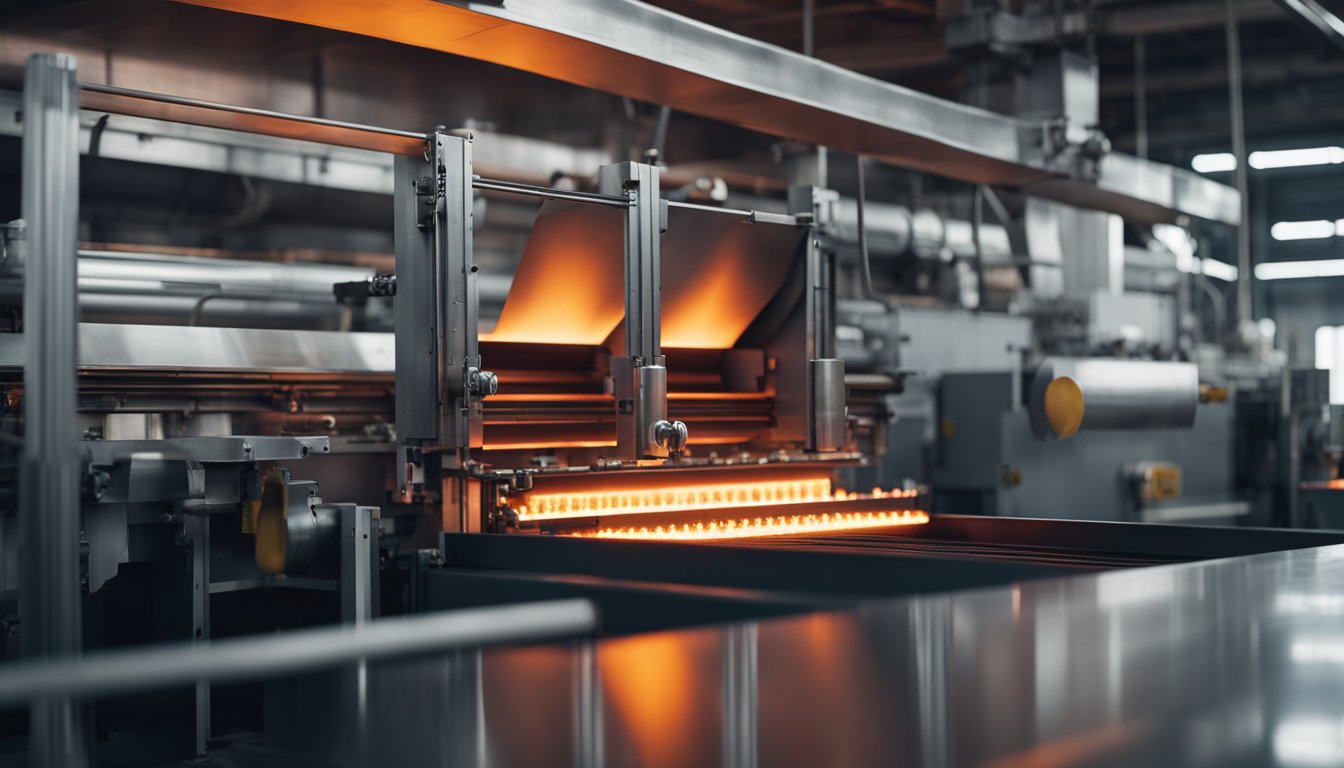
1073,394
928,235
828,405
293,528
888,226
650,409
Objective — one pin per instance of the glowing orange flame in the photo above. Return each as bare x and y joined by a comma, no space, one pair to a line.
782,525
555,506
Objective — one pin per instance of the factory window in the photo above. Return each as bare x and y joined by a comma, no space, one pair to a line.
1330,357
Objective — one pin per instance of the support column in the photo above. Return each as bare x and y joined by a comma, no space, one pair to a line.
1245,271
639,379
49,480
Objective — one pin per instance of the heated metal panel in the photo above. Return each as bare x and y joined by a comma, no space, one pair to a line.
719,270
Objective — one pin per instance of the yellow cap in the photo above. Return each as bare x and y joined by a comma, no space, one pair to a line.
1064,406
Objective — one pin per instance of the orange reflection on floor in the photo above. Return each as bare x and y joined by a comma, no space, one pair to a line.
750,528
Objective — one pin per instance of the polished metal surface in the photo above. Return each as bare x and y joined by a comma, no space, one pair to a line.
132,670
828,404
256,351
646,53
1232,662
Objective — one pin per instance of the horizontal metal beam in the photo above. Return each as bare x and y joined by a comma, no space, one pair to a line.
646,53
254,351
1141,190
136,670
179,109
1319,17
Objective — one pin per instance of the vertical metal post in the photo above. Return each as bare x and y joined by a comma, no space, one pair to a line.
359,593
439,381
809,49
827,416
643,260
49,482
639,379
198,529
1238,114
436,308
1140,97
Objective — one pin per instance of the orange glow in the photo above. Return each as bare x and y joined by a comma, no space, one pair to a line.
534,446
1336,484
570,284
650,681
783,525
556,506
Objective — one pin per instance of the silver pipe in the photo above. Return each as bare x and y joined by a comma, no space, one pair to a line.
182,101
183,275
550,193
49,476
130,671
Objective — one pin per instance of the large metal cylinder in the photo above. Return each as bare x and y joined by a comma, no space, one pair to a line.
1073,394
829,414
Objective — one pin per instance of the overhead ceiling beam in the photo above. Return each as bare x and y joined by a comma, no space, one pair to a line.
645,53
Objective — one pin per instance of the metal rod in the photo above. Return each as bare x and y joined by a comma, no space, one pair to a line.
977,221
1140,98
49,480
162,106
1238,115
809,50
124,672
550,193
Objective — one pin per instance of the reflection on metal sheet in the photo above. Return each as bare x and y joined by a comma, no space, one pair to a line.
568,287
718,273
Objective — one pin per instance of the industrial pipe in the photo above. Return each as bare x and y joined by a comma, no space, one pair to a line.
130,671
1073,394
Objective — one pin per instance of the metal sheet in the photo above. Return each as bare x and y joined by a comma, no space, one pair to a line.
718,273
646,53
568,287
1223,663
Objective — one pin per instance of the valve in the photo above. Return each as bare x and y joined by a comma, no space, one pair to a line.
672,435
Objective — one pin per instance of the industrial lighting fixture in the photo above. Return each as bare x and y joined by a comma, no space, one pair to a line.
1295,158
1217,162
1214,162
1306,230
1288,270
1219,270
